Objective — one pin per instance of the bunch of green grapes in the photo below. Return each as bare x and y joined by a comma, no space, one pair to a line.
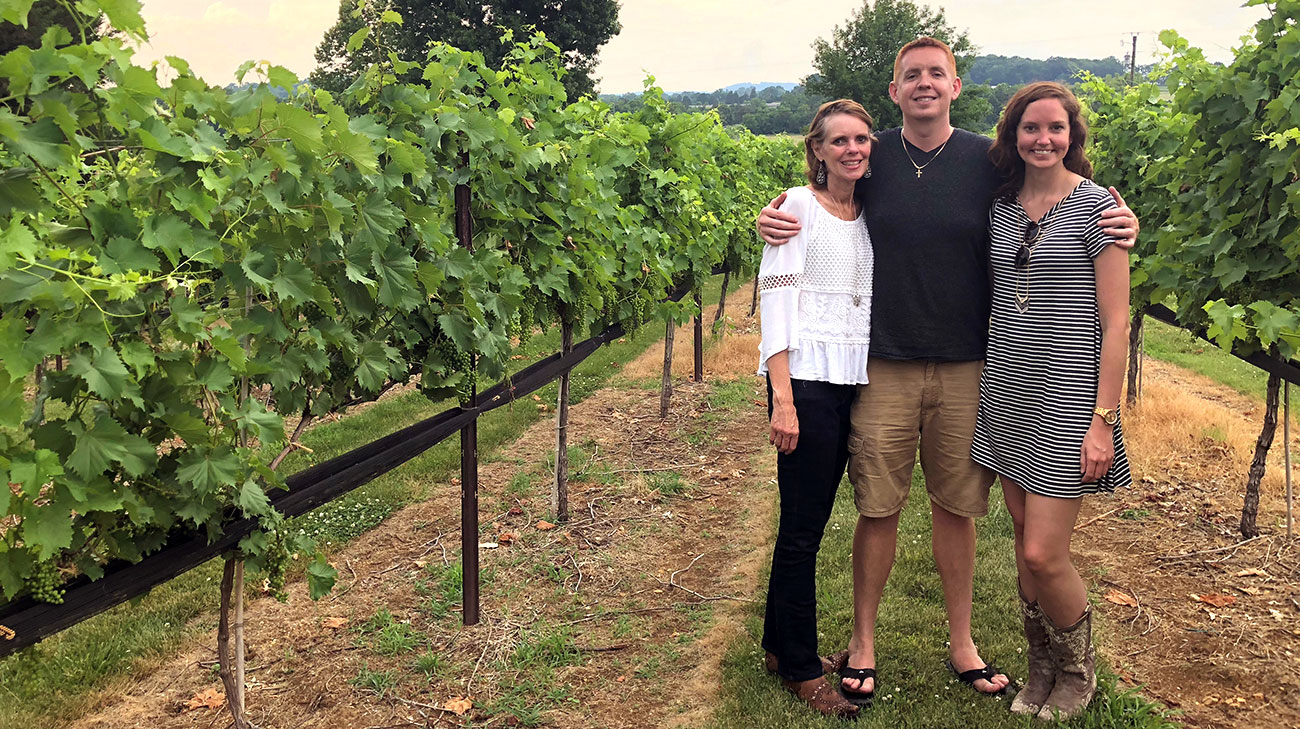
641,311
45,584
275,565
458,361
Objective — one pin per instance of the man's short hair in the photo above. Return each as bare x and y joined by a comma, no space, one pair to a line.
924,41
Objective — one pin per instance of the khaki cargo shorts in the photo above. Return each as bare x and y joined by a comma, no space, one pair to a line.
909,402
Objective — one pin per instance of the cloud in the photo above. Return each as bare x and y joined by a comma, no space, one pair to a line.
221,13
297,13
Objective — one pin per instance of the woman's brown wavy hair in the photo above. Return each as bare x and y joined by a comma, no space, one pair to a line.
1003,153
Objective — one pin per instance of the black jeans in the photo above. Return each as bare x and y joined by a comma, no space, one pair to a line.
807,479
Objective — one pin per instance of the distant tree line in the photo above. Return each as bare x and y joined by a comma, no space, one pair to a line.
987,85
994,70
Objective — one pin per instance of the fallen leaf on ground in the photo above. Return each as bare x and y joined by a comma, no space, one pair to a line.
334,623
206,699
1119,598
1253,572
507,538
1250,590
458,705
545,525
1217,600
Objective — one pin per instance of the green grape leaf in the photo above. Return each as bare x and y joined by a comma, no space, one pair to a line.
188,425
15,565
356,149
35,473
265,425
320,577
253,500
1226,324
15,11
17,244
40,140
105,374
13,401
208,471
373,361
301,127
396,273
1273,321
281,77
125,255
294,282
358,38
47,528
122,14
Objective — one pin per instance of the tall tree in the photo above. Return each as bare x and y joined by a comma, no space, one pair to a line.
578,27
858,62
43,14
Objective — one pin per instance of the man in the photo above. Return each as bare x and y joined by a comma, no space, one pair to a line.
926,201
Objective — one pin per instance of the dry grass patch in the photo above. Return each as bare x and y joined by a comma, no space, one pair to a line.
1209,624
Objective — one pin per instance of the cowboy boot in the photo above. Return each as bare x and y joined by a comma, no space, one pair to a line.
1042,674
1075,662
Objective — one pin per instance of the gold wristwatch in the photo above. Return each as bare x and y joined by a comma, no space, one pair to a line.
1109,416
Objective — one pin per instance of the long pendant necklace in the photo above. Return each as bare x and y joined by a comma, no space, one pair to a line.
857,257
1034,233
927,164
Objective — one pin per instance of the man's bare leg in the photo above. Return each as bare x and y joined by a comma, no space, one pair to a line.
875,541
953,543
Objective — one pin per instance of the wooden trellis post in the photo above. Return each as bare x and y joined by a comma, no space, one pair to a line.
468,444
1286,451
699,337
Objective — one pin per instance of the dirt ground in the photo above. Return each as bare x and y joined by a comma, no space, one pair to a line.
1208,623
624,613
618,618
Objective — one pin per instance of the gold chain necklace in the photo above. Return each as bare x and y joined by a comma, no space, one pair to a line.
927,164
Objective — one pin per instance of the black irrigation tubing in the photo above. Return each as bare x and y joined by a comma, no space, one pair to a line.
1288,370
25,622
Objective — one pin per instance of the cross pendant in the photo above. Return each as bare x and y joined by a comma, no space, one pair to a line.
918,172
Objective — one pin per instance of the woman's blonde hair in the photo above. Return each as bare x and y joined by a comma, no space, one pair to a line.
817,132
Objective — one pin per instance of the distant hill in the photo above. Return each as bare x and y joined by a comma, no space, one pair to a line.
757,87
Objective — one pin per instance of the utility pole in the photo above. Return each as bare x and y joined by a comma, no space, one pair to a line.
1132,60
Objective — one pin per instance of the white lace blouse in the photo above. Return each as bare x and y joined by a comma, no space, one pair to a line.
816,295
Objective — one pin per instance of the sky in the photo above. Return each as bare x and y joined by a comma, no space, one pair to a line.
702,45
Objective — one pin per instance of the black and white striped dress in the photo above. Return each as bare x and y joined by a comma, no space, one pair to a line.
1040,376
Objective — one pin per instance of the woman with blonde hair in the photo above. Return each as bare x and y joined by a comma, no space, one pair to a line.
816,326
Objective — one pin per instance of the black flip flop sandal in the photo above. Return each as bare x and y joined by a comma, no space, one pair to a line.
858,698
970,677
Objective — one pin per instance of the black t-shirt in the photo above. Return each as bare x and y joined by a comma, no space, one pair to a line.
930,239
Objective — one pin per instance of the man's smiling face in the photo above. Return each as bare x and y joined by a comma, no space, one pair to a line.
926,85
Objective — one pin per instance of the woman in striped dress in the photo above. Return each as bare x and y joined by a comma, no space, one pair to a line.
1049,399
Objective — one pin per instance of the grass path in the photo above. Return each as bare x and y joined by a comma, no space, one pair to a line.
914,688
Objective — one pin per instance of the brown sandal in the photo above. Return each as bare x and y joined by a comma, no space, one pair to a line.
822,697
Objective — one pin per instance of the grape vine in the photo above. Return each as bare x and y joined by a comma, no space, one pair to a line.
209,262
